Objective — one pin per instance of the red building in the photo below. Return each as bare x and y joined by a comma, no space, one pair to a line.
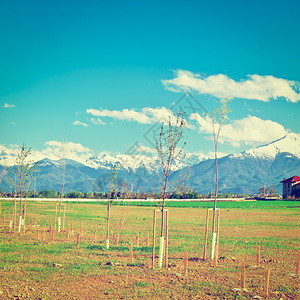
291,187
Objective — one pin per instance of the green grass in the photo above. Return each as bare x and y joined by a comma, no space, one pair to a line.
245,222
265,243
35,259
277,204
135,264
57,249
286,289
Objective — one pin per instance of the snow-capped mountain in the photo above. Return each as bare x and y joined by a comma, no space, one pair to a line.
290,143
123,161
133,162
105,160
238,173
7,156
48,163
246,172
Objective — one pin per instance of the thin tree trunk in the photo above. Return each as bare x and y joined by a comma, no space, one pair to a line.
62,187
108,217
162,222
24,211
61,195
14,214
20,203
63,224
20,213
162,208
216,188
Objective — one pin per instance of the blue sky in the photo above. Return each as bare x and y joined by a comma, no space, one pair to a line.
101,74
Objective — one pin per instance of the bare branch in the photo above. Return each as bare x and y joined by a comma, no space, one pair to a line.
167,145
218,119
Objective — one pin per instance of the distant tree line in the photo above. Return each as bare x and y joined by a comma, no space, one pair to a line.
188,194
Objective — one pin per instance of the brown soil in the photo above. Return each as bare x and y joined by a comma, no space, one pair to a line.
110,275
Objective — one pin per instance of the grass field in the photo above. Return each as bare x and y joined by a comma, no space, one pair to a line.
35,267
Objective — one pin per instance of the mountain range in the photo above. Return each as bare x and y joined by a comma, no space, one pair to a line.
239,173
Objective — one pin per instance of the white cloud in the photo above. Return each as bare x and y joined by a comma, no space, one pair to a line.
80,123
8,154
145,149
211,154
6,105
73,151
125,114
69,145
53,151
147,115
250,131
12,123
256,87
97,121
161,114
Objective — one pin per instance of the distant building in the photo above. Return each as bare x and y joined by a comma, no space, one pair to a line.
291,187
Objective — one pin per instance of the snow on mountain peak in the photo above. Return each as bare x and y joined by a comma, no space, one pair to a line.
106,161
133,162
290,143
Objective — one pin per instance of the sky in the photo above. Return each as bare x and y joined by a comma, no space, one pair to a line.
101,75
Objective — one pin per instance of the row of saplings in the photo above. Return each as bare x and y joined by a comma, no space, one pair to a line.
163,245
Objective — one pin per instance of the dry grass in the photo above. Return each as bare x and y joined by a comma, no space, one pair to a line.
33,268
